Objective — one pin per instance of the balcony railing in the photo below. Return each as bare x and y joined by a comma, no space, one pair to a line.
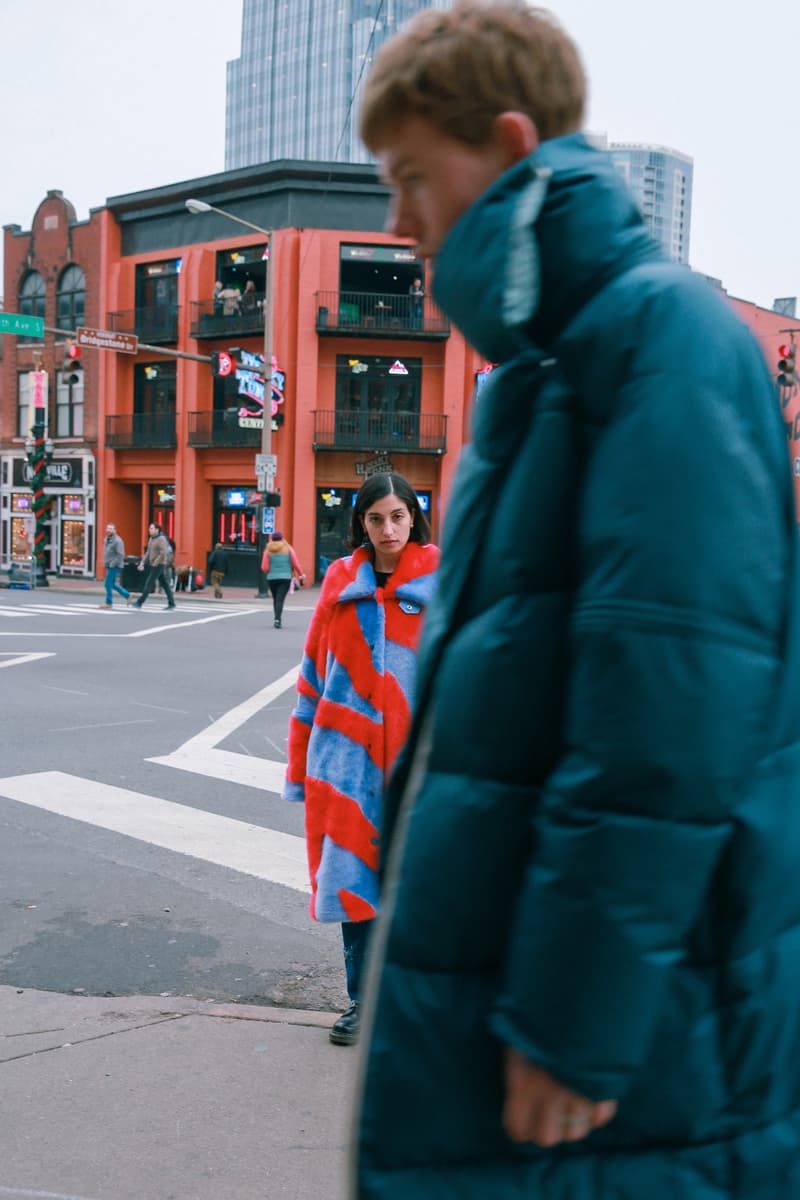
210,320
221,428
153,323
400,432
140,431
373,314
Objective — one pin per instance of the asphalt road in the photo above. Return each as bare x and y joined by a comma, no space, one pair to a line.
114,878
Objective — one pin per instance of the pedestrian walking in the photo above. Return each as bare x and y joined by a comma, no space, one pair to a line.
355,692
218,568
113,561
586,979
280,565
155,560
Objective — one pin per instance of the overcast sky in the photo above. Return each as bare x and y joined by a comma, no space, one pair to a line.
102,97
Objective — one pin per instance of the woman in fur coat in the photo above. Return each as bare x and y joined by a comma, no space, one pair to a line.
355,693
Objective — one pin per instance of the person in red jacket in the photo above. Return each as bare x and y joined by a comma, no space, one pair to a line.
355,692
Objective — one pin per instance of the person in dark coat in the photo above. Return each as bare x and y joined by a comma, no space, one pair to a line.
585,978
218,568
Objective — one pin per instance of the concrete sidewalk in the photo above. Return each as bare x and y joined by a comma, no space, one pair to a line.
150,1098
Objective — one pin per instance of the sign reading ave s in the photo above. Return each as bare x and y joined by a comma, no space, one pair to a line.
18,323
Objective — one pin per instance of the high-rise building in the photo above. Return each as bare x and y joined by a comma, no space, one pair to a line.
661,182
293,92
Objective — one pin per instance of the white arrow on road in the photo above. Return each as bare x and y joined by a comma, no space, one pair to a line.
200,753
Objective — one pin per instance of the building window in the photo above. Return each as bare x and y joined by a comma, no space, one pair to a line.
378,270
378,399
69,403
154,393
23,400
70,298
32,299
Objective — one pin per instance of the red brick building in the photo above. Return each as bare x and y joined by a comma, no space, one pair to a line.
369,375
372,375
54,272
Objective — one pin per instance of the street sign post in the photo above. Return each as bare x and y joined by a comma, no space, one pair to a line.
18,323
267,521
107,339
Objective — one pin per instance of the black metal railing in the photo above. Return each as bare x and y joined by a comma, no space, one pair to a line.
221,428
228,319
374,314
152,323
402,432
140,431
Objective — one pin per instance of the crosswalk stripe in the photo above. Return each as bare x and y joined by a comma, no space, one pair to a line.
19,659
250,849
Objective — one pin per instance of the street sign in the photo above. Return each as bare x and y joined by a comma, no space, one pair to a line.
268,520
16,323
268,463
107,339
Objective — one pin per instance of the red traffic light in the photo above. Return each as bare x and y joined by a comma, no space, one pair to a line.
785,349
73,351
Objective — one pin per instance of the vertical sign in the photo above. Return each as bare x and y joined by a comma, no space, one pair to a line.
38,399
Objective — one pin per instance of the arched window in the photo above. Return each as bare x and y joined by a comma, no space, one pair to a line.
31,301
31,295
70,297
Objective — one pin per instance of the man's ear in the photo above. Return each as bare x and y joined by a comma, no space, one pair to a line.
516,134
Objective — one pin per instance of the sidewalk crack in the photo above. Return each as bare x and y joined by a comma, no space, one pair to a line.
96,1037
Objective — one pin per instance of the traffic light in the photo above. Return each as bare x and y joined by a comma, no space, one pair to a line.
221,364
72,364
787,373
272,499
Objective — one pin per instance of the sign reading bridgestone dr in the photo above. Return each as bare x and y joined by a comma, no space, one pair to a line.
107,339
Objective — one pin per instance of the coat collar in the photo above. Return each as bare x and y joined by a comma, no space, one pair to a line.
538,244
412,579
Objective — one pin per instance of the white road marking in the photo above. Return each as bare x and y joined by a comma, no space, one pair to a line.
103,725
26,1194
202,756
23,658
174,622
250,849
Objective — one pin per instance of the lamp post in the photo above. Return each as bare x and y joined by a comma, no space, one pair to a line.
268,475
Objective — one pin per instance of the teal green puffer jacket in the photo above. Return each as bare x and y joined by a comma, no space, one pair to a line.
594,834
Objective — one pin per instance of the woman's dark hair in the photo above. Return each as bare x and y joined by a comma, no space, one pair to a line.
375,488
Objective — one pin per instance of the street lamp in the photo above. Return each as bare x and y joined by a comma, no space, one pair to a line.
200,206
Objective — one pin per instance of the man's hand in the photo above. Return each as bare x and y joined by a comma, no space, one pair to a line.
539,1109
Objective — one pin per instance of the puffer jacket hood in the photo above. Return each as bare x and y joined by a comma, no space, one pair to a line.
521,289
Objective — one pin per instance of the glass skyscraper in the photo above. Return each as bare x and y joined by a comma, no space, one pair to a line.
290,94
661,182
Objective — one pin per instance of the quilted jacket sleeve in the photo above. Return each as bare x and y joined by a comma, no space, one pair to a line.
675,647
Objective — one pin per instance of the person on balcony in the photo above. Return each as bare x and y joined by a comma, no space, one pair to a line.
249,300
231,299
417,294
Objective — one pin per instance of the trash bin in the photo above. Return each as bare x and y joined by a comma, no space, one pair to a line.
130,577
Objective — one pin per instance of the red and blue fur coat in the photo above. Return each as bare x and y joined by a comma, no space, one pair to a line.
355,692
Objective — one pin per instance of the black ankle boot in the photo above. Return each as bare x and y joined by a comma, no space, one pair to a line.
344,1032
